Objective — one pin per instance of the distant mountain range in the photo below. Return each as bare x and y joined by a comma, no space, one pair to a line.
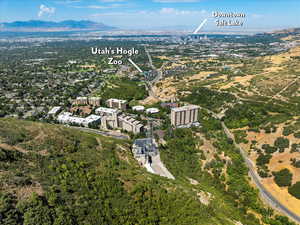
67,25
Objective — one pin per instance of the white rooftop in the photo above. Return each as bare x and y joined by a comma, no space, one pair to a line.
54,110
67,117
81,98
117,100
186,107
92,118
106,110
152,110
138,108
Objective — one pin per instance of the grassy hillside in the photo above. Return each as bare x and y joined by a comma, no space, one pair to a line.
54,175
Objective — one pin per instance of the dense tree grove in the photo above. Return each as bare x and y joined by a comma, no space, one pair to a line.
283,177
295,190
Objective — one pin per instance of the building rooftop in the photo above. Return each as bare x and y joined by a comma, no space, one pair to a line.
138,108
152,110
81,98
130,120
54,110
117,100
92,118
106,110
183,108
95,98
143,145
67,117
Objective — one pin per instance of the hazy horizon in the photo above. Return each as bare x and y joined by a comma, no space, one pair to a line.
261,15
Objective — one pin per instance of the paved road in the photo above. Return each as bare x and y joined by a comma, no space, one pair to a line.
159,168
255,177
283,89
104,133
265,194
150,59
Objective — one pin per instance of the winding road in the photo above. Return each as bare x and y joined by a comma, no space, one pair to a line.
265,194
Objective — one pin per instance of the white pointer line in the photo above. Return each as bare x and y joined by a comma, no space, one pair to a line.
200,26
138,68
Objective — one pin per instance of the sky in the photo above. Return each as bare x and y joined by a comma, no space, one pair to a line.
147,14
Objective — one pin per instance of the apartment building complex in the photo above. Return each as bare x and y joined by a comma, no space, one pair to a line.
94,101
54,111
130,124
81,101
68,118
116,103
184,116
109,117
113,119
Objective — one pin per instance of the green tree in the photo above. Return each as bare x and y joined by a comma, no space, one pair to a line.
283,177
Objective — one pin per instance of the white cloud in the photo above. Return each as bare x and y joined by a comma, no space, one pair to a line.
165,17
46,10
161,12
175,1
179,12
98,6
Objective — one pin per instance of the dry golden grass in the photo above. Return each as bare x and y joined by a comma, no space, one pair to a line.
166,89
288,38
283,57
245,81
149,101
162,57
199,76
281,161
26,191
282,195
88,66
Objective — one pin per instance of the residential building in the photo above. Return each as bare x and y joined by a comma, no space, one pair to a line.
186,115
106,111
130,124
117,103
92,120
144,147
68,118
138,108
169,105
54,111
152,110
109,117
94,101
81,101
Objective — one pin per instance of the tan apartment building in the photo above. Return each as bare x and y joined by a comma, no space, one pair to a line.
94,101
117,103
185,115
130,124
81,101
